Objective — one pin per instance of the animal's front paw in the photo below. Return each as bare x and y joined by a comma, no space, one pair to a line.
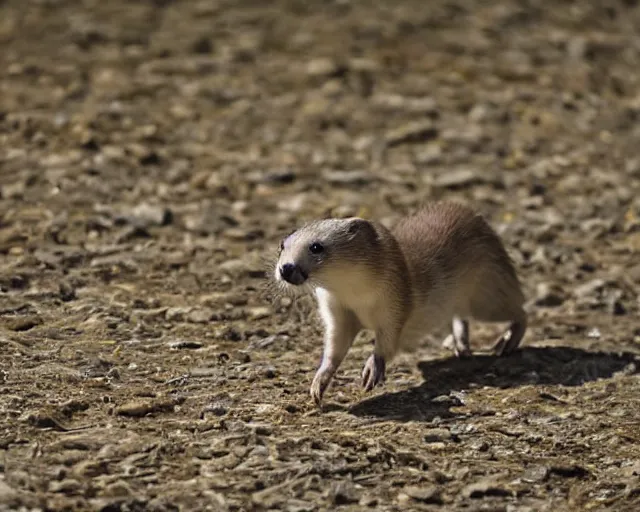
319,384
373,372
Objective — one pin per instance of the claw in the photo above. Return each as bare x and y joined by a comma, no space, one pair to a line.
461,352
373,372
320,384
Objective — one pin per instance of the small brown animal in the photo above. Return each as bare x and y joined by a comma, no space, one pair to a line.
443,264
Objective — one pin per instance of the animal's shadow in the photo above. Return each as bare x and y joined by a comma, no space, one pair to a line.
531,365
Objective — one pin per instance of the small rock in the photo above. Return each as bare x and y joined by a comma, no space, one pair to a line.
135,408
323,67
570,471
13,190
594,333
67,292
348,177
262,343
487,487
548,295
479,446
427,494
120,489
458,178
200,316
131,233
210,220
293,203
342,493
429,155
417,131
217,409
283,176
435,435
185,344
261,429
616,307
234,266
176,314
146,215
259,312
90,468
67,486
535,473
23,323
478,113
138,408
418,105
589,288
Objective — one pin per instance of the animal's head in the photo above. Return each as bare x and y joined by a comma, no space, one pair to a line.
321,251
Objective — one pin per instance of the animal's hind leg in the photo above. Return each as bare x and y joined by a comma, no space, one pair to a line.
503,308
458,340
511,338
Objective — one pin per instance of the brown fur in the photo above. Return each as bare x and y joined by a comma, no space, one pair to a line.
442,264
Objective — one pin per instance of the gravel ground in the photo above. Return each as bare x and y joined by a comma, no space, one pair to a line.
153,154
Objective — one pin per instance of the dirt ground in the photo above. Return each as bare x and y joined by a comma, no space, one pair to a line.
154,152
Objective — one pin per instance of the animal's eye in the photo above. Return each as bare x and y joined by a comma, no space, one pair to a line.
282,245
316,248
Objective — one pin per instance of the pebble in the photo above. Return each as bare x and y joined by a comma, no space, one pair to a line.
138,408
176,314
589,288
594,333
185,344
67,291
323,67
259,312
217,409
426,494
486,487
200,315
348,177
342,493
67,486
13,190
22,323
419,105
434,435
535,473
458,178
548,295
416,131
146,215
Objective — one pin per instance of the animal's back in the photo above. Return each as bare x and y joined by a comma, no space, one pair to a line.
458,261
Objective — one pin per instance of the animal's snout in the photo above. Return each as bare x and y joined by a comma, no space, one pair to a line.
292,273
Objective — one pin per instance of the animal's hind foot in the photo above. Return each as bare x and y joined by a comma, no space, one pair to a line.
458,340
509,341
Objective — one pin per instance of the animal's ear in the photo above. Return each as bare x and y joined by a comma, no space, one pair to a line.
360,226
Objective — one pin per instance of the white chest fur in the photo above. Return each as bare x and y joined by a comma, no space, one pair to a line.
362,302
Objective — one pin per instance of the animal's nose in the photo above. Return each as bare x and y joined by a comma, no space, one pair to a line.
291,273
287,270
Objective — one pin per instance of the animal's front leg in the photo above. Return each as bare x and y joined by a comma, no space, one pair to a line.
341,327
